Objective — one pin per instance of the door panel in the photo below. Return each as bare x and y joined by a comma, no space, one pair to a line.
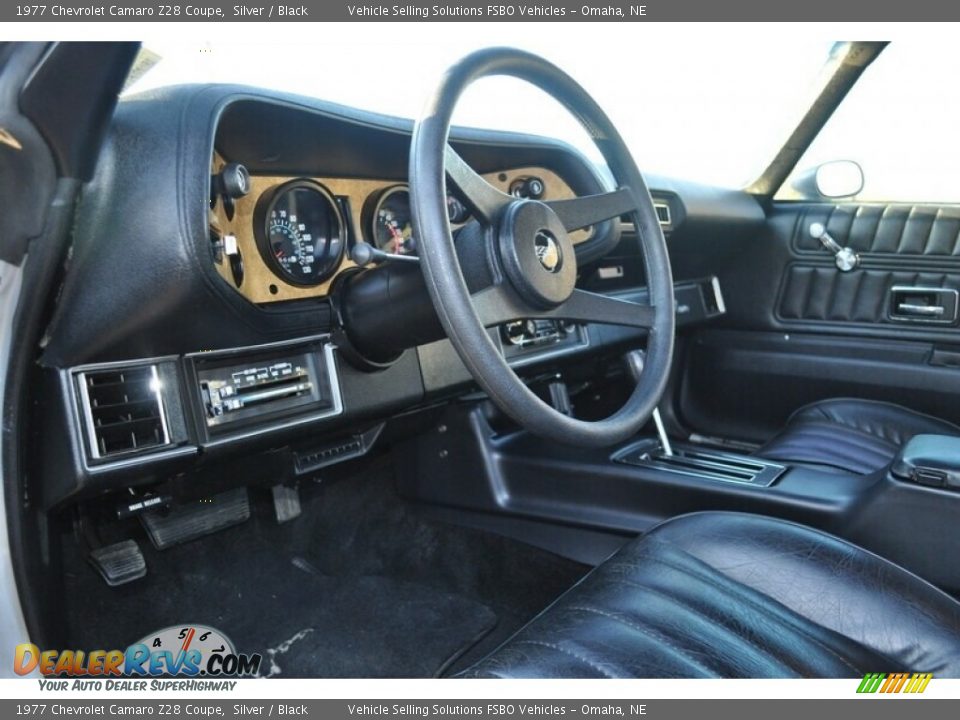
823,294
800,330
902,231
745,385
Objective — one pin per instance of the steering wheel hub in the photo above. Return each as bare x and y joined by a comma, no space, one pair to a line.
537,254
548,251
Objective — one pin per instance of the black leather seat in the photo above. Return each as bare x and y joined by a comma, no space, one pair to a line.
856,436
734,595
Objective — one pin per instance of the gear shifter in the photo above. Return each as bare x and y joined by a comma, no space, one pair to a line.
635,360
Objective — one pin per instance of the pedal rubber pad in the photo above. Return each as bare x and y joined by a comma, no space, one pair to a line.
119,563
286,503
189,522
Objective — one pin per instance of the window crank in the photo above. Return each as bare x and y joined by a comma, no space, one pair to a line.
846,258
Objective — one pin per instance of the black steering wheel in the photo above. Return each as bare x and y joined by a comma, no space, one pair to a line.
531,259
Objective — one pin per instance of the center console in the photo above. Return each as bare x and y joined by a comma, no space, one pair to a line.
693,461
907,513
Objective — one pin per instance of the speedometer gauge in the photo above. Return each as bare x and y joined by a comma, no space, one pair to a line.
300,232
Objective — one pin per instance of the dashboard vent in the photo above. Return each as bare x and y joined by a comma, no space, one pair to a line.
123,410
663,215
663,212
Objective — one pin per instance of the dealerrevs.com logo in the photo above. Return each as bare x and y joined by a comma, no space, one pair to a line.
179,650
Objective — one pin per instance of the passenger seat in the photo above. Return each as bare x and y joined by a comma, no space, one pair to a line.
852,435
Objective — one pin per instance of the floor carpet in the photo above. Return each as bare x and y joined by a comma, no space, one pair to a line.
360,585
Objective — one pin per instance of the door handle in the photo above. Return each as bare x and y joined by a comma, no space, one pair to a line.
924,304
925,310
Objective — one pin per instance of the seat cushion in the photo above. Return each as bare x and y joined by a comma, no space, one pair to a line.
733,595
857,436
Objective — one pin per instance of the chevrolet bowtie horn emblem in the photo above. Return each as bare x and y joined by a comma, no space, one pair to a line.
548,251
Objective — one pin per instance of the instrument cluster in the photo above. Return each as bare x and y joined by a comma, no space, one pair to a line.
279,238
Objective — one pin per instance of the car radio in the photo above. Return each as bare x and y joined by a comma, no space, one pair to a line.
265,385
529,339
237,389
526,333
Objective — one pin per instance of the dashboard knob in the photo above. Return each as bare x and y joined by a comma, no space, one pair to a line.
535,188
515,332
530,188
520,332
234,180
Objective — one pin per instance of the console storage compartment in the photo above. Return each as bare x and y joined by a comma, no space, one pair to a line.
932,460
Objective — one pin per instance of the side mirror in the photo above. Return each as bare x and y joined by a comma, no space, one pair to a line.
839,179
835,179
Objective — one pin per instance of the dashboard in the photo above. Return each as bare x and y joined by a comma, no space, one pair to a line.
198,324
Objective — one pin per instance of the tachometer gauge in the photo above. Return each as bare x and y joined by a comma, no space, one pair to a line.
389,223
300,232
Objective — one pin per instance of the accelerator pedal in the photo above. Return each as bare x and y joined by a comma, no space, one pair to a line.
202,517
119,563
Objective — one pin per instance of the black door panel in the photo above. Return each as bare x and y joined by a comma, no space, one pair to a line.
860,297
904,231
746,384
799,330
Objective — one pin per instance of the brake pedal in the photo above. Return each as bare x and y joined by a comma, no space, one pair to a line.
119,563
286,502
189,522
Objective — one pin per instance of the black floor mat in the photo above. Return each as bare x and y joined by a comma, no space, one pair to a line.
358,586
303,623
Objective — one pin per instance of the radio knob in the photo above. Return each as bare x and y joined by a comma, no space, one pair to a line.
519,331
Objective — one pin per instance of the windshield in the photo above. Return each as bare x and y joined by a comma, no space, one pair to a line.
715,115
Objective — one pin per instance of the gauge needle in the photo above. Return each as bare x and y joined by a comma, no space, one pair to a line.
397,238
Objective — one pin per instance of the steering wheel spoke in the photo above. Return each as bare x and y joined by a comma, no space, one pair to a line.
582,212
484,199
499,304
590,307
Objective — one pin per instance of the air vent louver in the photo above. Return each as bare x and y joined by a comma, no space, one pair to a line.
123,410
663,213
